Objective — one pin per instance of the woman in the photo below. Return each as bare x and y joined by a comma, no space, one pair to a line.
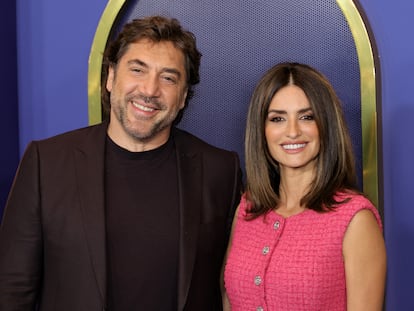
303,237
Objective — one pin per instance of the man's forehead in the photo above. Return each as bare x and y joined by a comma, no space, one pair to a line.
161,50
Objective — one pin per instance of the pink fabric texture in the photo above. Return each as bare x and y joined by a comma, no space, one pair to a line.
290,264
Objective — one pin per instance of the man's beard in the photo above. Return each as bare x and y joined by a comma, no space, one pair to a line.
152,129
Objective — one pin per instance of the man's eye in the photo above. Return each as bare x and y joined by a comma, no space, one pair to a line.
170,79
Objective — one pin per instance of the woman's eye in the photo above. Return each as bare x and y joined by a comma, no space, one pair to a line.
308,117
276,119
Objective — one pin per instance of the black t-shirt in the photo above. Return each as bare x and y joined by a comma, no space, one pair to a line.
142,227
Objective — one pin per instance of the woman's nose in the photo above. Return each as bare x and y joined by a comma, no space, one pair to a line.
293,129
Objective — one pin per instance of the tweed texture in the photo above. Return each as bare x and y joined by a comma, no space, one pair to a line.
290,264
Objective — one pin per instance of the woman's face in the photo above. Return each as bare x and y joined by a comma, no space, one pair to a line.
291,132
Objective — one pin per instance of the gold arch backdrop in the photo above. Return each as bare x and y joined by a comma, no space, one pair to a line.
368,75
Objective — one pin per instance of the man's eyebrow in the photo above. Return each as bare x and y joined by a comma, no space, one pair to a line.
137,62
170,70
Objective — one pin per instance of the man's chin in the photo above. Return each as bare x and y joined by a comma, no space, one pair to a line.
147,135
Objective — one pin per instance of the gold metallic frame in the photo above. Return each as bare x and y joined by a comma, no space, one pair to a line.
370,161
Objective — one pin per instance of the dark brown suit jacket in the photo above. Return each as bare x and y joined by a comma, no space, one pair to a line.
52,237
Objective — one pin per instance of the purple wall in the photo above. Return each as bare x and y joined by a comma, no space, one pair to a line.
392,23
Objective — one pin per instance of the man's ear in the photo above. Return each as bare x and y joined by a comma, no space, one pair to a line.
110,78
184,98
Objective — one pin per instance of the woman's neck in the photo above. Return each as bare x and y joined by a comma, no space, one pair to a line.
292,189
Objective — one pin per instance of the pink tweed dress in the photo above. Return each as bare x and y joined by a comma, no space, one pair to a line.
290,264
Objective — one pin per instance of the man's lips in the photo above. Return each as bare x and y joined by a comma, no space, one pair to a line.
143,108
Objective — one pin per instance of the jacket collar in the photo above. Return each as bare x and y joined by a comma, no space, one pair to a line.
89,163
189,170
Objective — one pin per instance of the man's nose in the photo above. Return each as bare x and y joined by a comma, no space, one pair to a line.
150,86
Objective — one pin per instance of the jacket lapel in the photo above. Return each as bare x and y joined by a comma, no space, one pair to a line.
89,163
190,193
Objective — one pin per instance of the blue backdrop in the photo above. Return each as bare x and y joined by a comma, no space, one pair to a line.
53,43
9,136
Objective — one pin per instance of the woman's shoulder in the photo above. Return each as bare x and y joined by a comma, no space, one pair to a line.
353,200
352,203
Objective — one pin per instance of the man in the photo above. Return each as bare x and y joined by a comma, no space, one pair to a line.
130,214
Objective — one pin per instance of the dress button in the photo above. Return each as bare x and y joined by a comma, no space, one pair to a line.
266,250
257,280
259,309
276,225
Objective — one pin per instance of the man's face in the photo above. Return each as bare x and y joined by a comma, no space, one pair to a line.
148,88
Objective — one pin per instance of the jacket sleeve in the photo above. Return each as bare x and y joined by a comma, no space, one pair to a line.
238,189
21,238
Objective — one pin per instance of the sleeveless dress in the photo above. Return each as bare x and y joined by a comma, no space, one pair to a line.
293,263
